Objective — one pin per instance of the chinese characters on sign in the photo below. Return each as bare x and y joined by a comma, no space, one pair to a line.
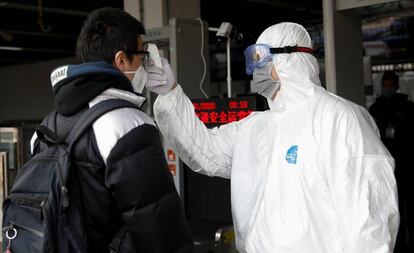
215,112
172,161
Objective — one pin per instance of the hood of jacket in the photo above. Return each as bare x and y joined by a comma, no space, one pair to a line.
74,86
298,72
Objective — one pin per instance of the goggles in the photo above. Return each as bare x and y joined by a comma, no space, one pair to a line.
258,55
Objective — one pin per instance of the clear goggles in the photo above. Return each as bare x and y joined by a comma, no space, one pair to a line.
258,55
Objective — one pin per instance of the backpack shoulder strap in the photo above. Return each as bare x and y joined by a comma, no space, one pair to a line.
92,114
83,124
44,131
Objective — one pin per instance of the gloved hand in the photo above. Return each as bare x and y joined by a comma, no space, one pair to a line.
160,80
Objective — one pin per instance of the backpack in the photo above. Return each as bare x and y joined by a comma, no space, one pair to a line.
39,215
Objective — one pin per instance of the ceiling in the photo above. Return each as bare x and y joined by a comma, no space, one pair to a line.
36,30
251,17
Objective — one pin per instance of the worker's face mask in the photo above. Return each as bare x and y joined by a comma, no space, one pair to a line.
262,81
139,80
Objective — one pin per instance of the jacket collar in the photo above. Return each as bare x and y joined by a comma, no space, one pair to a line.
75,86
113,93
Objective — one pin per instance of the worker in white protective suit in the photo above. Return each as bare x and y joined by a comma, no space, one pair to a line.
310,175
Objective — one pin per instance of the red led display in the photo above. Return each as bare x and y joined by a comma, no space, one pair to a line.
215,112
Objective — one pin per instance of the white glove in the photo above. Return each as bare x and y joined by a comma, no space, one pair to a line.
160,80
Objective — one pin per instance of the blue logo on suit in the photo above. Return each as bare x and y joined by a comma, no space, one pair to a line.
292,154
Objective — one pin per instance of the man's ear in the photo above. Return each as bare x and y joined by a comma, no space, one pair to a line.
119,61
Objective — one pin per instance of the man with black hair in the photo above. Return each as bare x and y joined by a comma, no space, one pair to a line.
120,167
394,115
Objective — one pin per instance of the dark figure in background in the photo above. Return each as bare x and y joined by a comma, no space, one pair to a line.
394,115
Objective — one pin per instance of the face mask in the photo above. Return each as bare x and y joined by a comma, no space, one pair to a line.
140,79
263,83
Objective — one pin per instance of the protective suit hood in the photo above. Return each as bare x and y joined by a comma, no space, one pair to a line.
298,72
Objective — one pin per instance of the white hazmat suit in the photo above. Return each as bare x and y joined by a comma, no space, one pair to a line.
310,175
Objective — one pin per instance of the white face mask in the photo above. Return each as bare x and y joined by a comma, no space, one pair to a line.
139,80
263,83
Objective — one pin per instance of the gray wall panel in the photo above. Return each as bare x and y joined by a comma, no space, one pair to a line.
25,90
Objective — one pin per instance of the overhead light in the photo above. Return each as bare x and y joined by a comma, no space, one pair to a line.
11,48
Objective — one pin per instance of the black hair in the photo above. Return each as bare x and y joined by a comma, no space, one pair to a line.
105,32
390,76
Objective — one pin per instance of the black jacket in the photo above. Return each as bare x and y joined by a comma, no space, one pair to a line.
120,167
395,113
395,119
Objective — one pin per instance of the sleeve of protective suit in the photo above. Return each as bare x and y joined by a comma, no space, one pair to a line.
207,151
143,190
362,183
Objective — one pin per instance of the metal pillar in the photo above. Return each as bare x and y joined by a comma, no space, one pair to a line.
343,52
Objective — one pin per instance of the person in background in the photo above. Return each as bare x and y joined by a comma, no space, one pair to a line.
120,165
309,175
394,115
